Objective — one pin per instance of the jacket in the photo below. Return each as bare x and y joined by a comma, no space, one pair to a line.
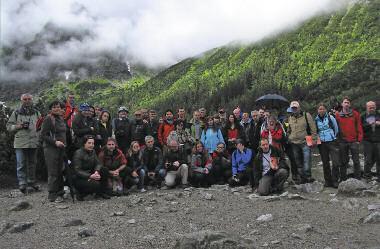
82,126
53,129
241,160
350,126
152,159
24,138
211,138
200,162
327,127
254,134
105,132
171,156
164,131
194,126
139,130
258,164
298,127
112,160
276,137
85,163
371,134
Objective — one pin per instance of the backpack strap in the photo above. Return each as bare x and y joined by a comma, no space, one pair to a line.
308,129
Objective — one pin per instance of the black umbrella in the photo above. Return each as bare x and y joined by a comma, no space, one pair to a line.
272,101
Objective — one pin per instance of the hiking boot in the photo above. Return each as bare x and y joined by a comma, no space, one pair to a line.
35,187
80,197
102,195
22,188
52,197
142,190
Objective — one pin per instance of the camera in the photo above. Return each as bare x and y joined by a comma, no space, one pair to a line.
25,125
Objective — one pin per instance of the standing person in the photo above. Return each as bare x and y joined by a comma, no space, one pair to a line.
70,111
139,129
23,123
122,129
301,124
232,131
152,161
246,124
241,165
114,160
221,164
371,139
181,115
183,137
135,169
153,126
254,131
261,114
197,126
91,177
203,114
237,113
222,117
165,128
274,133
211,136
53,134
351,134
105,127
83,125
201,166
175,166
269,169
327,129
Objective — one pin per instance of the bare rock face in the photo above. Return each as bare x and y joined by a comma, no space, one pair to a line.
351,187
215,240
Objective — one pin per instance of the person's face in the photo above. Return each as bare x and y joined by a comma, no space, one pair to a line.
236,113
149,143
138,116
321,111
261,113
89,145
98,111
71,98
196,115
274,161
295,110
111,145
122,114
27,100
255,116
371,107
271,123
245,117
264,146
202,113
160,120
216,121
181,113
145,114
135,147
240,146
152,115
105,117
169,115
231,118
220,148
91,112
346,104
222,114
210,122
56,110
199,148
266,114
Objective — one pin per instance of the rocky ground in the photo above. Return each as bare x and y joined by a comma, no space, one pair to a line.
305,216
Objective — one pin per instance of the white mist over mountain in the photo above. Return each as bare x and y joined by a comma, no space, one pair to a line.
152,32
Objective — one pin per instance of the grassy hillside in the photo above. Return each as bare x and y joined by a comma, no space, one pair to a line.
325,58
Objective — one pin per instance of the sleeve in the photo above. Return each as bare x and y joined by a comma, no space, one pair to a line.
11,124
194,164
78,130
359,127
234,164
160,164
247,158
220,135
160,135
203,137
255,171
335,124
77,161
47,131
313,127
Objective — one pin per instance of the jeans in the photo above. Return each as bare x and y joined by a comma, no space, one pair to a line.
26,166
302,157
330,150
345,149
272,183
371,156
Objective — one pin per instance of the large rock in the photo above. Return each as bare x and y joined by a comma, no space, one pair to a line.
372,218
73,222
213,240
351,187
21,205
20,227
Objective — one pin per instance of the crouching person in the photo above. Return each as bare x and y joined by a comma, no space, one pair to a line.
241,165
114,160
153,162
221,164
135,169
201,166
269,169
91,177
175,166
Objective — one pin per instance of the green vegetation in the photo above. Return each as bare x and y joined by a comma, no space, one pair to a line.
327,57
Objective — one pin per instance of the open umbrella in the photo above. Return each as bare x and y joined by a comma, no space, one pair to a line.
272,101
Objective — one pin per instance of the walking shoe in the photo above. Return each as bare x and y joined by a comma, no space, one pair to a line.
80,197
103,195
142,190
59,199
22,188
52,197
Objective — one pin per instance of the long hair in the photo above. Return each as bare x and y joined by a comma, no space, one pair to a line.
213,126
195,151
130,150
235,122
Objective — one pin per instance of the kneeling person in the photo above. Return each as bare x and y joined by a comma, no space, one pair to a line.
269,169
201,166
241,165
175,165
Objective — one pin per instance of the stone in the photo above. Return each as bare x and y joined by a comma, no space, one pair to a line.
85,232
271,198
375,206
4,226
305,228
62,206
207,196
179,194
21,205
188,189
213,239
253,196
314,187
369,193
296,197
275,242
285,194
373,218
131,221
296,236
118,213
351,204
20,227
149,237
334,200
265,218
170,197
136,200
351,187
73,222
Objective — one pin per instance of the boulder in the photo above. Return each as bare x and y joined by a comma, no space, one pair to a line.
351,187
20,227
213,239
372,218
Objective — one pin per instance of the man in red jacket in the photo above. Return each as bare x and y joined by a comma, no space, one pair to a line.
165,128
351,134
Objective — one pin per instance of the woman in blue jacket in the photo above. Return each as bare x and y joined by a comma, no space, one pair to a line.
211,136
327,128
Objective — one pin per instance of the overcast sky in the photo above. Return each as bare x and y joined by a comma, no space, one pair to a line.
154,32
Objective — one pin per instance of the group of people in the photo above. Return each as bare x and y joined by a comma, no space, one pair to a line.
110,156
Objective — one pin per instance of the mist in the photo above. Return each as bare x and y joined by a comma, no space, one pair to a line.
150,32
